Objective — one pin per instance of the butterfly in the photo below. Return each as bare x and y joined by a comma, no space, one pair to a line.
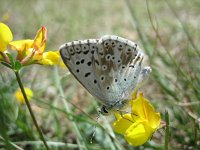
110,68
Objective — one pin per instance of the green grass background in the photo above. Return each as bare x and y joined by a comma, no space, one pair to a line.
169,33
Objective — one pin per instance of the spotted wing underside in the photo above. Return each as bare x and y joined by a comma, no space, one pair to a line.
110,68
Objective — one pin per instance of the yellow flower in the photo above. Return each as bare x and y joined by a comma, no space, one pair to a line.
50,58
5,36
19,96
31,51
138,126
39,42
21,45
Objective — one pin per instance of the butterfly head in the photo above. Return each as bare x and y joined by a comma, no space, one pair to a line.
117,106
104,111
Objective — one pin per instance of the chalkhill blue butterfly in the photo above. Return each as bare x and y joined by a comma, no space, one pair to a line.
110,68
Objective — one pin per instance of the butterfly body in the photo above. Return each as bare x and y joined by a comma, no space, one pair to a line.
110,68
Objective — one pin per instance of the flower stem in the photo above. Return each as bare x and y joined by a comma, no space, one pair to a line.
166,130
30,109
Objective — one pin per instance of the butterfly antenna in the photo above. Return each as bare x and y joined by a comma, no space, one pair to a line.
95,127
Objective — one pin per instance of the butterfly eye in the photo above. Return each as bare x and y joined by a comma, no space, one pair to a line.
71,50
104,111
77,48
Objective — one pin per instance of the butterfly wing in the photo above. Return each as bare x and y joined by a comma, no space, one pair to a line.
78,57
109,68
120,67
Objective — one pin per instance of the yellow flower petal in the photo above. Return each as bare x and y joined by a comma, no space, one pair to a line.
138,133
21,45
123,123
39,43
155,121
61,63
140,124
117,115
50,58
31,51
143,109
19,96
5,36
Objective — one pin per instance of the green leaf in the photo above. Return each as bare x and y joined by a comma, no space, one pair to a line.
11,60
18,65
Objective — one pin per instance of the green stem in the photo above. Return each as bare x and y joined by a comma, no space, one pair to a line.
80,139
30,109
166,131
10,143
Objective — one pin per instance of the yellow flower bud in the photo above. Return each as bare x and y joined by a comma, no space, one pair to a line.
19,96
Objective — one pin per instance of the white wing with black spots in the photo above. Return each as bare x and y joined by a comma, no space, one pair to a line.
110,68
